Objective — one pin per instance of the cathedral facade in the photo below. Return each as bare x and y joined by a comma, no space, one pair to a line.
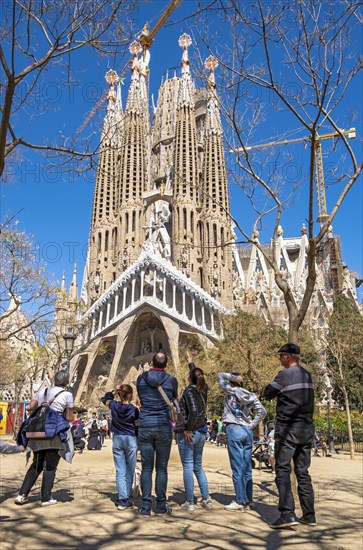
162,266
159,265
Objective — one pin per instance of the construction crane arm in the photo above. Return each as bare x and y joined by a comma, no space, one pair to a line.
146,38
351,133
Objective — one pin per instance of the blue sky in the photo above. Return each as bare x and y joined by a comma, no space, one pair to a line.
57,206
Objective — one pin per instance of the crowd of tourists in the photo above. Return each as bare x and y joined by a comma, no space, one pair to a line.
151,428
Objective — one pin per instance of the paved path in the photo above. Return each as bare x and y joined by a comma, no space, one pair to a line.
86,517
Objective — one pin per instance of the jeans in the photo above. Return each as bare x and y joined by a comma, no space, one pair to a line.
155,444
294,446
45,461
239,444
191,457
124,448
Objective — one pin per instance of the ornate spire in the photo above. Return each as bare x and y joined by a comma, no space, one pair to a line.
73,288
213,121
63,284
186,90
133,100
211,64
184,42
111,77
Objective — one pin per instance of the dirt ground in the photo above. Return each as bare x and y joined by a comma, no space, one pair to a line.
86,517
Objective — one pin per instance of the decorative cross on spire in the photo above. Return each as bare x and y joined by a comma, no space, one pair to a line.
111,77
211,64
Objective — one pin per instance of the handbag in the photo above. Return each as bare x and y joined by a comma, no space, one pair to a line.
36,424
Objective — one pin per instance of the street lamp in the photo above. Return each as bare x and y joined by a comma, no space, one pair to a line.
69,338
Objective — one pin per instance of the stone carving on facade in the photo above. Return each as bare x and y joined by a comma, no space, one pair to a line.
251,297
169,178
184,259
97,281
215,289
126,258
145,346
262,286
238,291
159,241
347,284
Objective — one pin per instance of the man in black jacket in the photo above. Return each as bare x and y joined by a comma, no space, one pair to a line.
294,434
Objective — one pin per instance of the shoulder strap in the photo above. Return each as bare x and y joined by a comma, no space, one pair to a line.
56,395
165,397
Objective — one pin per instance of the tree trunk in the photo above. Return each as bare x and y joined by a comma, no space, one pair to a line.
5,118
349,422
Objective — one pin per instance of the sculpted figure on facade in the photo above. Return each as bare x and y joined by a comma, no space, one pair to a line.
159,239
97,281
238,292
347,284
215,290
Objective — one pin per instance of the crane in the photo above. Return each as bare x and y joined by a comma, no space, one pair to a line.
319,170
146,39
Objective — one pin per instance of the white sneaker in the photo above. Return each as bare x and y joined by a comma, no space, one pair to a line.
21,499
188,506
49,502
234,507
206,503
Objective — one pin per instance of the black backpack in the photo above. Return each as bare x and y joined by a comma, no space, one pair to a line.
35,426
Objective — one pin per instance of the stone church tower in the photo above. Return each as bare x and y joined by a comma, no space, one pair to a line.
159,265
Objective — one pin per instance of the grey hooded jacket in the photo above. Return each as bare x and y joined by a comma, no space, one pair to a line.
239,403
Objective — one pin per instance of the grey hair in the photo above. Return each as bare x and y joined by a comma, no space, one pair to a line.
61,378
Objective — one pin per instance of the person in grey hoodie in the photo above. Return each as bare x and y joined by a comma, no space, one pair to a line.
238,405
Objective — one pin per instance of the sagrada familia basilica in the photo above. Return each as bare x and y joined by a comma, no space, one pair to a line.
162,264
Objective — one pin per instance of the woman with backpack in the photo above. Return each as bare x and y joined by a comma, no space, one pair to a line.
191,438
45,451
124,442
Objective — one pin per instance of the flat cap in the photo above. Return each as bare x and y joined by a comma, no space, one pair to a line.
290,348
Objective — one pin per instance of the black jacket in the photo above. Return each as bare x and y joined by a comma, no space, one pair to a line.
293,388
193,407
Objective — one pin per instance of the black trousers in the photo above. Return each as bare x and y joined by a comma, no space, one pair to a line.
294,446
45,461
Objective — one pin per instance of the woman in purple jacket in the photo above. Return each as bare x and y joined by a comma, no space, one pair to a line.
124,442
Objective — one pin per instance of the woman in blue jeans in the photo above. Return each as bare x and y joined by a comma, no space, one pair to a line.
191,439
238,405
124,442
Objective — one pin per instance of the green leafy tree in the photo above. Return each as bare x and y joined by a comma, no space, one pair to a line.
249,348
345,355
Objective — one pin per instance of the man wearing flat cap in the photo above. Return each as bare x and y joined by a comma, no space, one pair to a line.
294,434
